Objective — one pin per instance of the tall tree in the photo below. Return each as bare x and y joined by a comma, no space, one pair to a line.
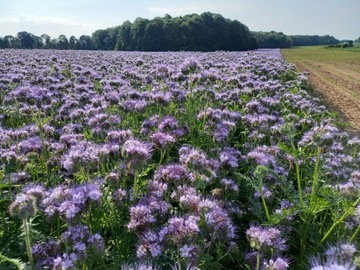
137,33
62,42
26,40
85,43
73,43
46,40
9,42
153,39
124,40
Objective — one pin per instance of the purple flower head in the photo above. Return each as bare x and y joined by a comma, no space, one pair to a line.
38,191
149,124
83,154
330,263
140,266
170,125
112,178
191,65
71,139
119,136
191,201
198,160
45,253
130,105
136,150
23,206
65,262
19,177
229,184
96,242
355,177
179,229
119,196
79,239
162,140
324,134
55,198
218,219
175,173
229,158
344,252
278,264
69,209
33,144
149,242
262,237
188,251
140,216
84,192
262,156
157,205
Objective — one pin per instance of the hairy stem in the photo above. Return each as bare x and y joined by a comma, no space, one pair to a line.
316,174
298,176
258,260
28,245
264,201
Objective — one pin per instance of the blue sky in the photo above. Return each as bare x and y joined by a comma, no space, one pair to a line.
340,18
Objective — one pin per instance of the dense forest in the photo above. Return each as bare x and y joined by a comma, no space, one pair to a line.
205,32
303,40
279,40
272,39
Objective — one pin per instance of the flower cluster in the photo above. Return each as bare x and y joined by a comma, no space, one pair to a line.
176,158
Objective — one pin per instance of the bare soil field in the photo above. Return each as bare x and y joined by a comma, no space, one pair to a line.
335,77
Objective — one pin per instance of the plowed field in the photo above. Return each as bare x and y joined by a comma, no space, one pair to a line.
335,76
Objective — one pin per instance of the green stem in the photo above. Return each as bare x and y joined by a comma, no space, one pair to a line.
162,156
298,177
355,234
58,231
28,245
258,260
5,227
338,222
263,200
316,174
303,238
135,187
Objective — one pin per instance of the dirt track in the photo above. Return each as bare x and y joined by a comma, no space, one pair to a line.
337,84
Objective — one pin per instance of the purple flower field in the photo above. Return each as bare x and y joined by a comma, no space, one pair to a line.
177,160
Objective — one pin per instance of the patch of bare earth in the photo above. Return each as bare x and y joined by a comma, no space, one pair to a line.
339,88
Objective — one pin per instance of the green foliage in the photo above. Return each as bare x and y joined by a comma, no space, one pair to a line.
272,40
306,40
205,32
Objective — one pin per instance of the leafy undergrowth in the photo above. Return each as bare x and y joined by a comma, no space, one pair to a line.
114,160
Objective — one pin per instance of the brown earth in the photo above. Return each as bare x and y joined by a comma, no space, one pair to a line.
338,86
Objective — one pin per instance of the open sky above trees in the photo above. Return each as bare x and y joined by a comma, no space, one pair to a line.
80,17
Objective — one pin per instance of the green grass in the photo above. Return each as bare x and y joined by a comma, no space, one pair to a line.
328,55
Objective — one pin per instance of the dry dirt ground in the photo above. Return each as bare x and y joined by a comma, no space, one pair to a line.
335,78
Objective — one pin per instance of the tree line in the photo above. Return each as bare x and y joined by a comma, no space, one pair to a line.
205,32
280,40
193,32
